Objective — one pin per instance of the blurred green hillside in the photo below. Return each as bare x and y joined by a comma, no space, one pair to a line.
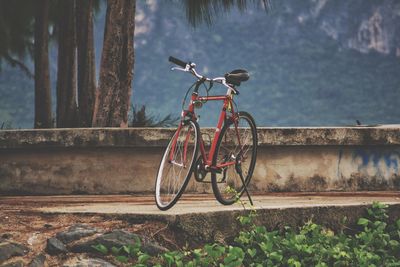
311,62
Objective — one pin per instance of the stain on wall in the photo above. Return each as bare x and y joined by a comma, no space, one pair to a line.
368,168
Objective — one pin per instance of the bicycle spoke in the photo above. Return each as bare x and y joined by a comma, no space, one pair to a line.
174,172
237,144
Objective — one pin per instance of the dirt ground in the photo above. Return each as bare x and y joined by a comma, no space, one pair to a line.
20,223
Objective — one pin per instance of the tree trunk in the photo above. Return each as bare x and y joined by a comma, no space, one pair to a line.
116,69
66,71
86,62
42,76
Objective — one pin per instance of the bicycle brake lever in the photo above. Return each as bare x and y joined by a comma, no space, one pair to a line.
178,68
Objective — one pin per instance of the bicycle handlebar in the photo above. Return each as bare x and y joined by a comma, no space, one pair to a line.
177,62
190,67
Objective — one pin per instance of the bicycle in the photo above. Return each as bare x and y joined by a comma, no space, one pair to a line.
232,156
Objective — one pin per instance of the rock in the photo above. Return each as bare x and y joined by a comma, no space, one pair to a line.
55,246
47,225
33,239
6,236
86,262
9,250
38,261
14,264
76,232
153,248
117,238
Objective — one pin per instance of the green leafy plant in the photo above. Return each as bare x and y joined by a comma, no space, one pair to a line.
101,249
127,253
375,243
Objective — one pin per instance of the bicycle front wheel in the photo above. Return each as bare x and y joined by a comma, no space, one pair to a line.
236,152
176,166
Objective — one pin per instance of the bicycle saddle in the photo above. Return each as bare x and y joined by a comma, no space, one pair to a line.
235,77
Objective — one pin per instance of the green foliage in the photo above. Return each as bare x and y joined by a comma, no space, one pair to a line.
139,118
375,244
203,11
101,249
126,254
299,75
16,30
314,245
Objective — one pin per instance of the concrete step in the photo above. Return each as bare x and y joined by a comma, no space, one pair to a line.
201,217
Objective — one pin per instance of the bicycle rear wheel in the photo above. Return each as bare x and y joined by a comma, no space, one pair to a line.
236,151
176,167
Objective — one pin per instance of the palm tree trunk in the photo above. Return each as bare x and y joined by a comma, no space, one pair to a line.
42,76
66,71
116,69
86,61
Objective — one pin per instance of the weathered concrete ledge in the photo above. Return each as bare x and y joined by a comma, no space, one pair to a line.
207,221
155,137
114,160
213,226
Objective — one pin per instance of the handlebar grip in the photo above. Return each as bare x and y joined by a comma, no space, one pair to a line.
177,62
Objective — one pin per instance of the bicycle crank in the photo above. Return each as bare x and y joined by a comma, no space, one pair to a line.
200,172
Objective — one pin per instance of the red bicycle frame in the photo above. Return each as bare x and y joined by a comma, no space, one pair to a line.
191,115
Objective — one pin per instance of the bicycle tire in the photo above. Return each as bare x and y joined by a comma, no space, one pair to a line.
221,183
178,186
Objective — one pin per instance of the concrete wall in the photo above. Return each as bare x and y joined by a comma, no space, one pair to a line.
108,161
